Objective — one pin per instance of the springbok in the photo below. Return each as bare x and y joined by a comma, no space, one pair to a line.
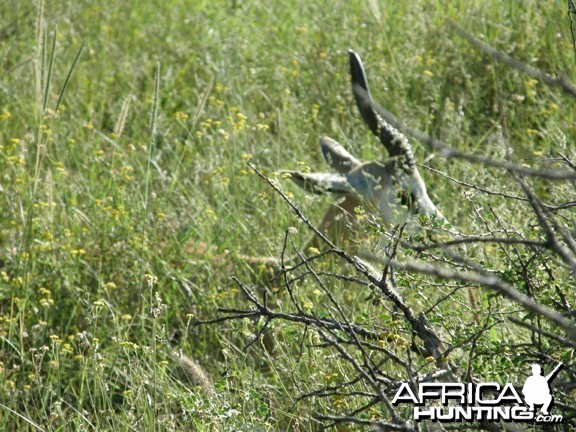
395,188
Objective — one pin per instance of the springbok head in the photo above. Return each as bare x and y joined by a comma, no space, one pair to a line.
394,188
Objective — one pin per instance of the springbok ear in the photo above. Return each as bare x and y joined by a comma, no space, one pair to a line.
320,182
337,156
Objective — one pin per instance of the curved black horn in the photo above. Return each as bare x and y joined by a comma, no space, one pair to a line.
390,137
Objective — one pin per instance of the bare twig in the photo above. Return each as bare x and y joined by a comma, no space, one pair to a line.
419,324
263,311
488,280
561,340
550,228
567,161
476,240
559,80
448,152
473,186
572,11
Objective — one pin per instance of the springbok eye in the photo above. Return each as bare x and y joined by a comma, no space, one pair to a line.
413,202
403,198
408,199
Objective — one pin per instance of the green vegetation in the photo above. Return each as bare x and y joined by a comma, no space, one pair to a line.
126,199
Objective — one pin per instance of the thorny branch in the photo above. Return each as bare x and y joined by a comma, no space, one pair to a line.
359,346
342,335
419,324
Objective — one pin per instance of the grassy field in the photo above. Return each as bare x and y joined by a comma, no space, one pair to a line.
126,198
